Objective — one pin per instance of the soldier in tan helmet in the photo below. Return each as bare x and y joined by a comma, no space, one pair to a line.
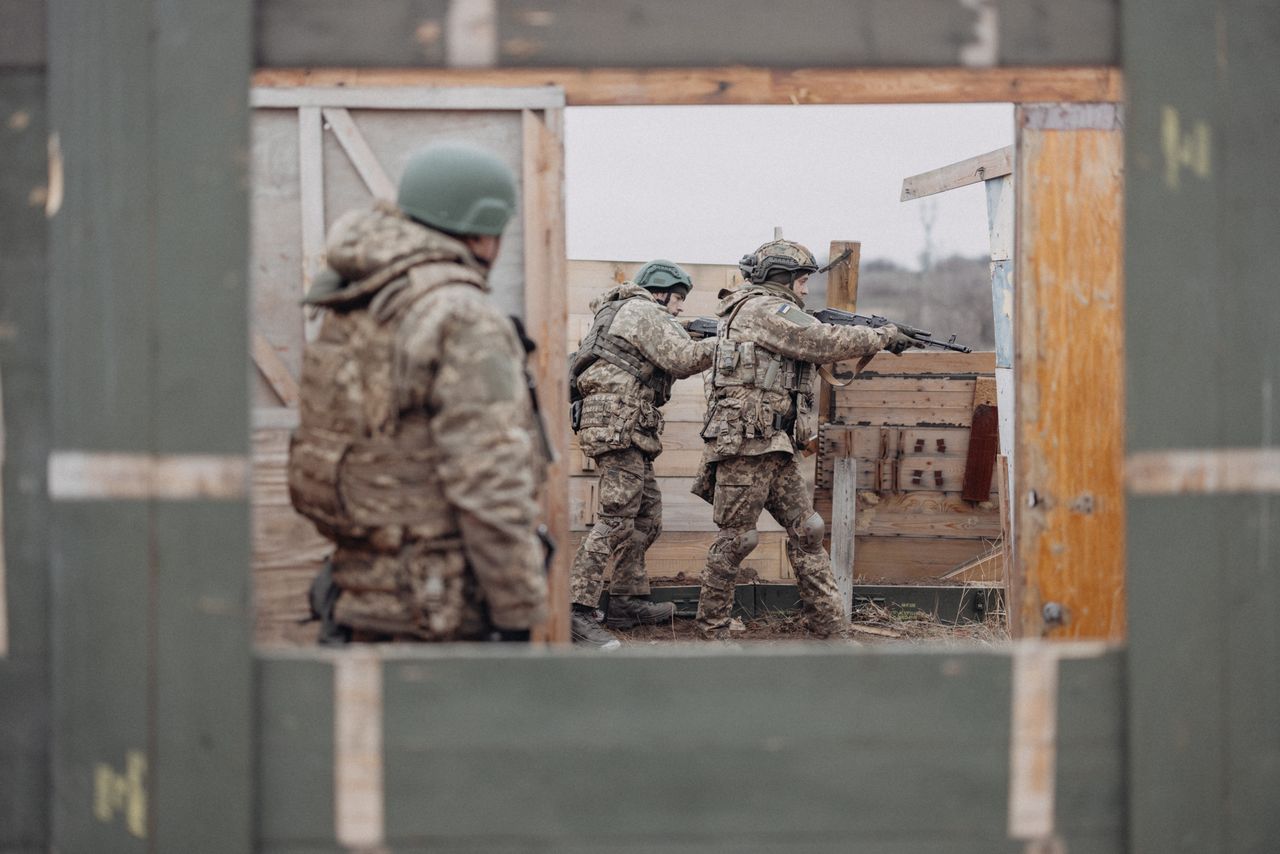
416,453
760,410
620,378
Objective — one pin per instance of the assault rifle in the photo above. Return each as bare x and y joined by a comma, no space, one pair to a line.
925,339
702,327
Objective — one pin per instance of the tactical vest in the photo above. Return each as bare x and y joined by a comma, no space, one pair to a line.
755,393
359,468
600,344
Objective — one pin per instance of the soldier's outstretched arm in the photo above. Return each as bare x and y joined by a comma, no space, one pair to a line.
663,341
478,409
786,329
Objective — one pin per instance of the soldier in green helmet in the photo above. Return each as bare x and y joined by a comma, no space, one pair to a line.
414,453
620,378
760,411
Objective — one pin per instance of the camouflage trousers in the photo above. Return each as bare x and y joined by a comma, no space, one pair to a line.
629,521
743,487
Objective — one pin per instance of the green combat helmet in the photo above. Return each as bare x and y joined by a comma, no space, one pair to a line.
660,275
777,256
458,189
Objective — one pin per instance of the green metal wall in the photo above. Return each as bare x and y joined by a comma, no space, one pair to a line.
24,671
1203,374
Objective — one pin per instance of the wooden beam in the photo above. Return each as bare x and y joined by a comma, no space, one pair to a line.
844,511
842,293
983,167
274,370
723,85
365,96
311,204
1069,472
546,317
1213,471
362,156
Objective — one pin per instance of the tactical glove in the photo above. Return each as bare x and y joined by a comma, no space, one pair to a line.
899,343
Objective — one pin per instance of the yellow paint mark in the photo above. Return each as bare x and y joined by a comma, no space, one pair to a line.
1191,150
125,793
53,199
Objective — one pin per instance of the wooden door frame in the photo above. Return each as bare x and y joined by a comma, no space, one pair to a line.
1033,91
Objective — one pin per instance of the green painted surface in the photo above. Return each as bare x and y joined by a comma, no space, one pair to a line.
148,355
101,664
1204,688
294,752
24,671
1090,782
649,33
690,749
203,714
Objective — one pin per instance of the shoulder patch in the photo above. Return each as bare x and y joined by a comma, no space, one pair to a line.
796,315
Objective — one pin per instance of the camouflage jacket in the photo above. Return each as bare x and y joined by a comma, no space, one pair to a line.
760,388
415,421
619,410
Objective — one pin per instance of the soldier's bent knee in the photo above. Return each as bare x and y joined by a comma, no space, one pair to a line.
809,532
736,545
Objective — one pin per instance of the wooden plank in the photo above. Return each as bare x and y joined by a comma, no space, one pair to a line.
362,156
844,513
361,97
682,511
736,84
1070,459
910,560
1223,471
983,167
681,555
922,363
311,198
545,313
988,566
274,370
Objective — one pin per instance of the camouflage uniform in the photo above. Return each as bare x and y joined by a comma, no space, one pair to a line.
760,410
635,351
414,453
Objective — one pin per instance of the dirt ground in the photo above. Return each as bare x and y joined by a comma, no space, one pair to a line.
871,624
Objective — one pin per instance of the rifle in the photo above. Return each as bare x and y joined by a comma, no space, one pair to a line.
702,327
925,339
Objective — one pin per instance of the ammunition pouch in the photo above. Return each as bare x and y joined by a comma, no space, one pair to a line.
350,488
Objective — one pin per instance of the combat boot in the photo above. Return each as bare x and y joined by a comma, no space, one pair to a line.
628,611
585,628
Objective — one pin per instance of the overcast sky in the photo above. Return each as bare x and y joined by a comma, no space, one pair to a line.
708,184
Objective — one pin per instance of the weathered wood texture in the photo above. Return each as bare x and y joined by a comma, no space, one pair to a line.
984,167
24,435
882,739
1202,216
677,33
1070,405
148,355
905,421
586,87
546,316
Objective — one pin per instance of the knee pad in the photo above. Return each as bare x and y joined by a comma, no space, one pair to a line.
736,545
808,533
